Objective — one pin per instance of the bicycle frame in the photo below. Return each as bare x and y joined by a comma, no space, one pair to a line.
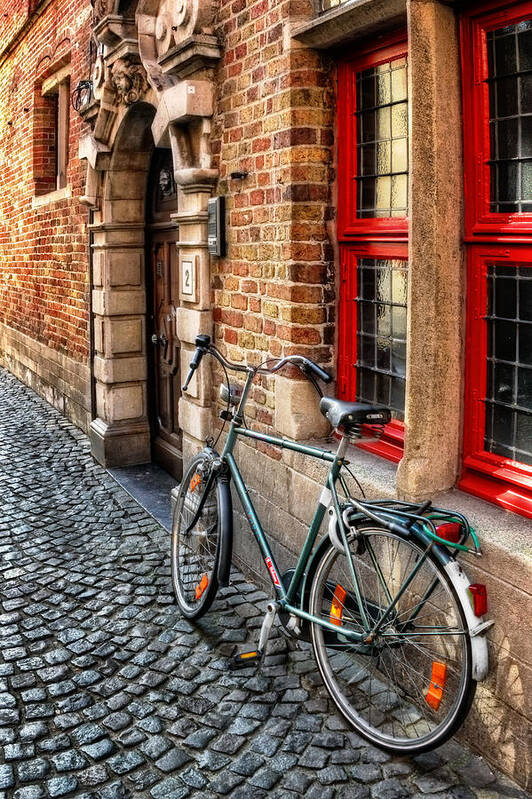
286,596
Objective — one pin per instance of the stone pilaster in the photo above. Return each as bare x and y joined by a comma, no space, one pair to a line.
120,433
436,280
194,316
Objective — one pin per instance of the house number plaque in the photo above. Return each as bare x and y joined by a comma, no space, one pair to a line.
188,279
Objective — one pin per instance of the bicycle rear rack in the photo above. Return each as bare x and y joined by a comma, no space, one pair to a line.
427,518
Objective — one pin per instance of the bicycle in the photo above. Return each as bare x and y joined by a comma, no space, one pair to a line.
396,627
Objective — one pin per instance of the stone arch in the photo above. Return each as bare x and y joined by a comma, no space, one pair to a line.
121,434
124,184
172,46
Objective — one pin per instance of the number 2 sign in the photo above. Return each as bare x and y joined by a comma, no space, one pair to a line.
188,280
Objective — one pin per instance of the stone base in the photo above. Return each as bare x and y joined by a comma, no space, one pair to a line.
120,444
59,379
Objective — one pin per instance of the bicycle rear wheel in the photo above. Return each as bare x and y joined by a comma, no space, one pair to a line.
409,689
195,552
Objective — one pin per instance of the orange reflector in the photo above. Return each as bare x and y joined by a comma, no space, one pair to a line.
337,605
201,586
245,655
437,684
196,480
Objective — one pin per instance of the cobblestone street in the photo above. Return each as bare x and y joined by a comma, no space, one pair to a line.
105,691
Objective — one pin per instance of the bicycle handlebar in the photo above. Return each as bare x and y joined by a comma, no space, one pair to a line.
203,345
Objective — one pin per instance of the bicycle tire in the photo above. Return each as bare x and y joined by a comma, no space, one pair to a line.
404,695
195,555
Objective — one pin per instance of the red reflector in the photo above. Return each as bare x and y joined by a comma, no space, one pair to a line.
450,531
479,596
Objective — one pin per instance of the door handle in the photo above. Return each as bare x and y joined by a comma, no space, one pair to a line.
162,339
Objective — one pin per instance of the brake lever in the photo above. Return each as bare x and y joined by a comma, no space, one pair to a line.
310,377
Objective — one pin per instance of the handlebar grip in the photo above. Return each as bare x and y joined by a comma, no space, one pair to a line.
318,371
202,345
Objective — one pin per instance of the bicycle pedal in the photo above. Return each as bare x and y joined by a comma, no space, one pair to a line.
246,659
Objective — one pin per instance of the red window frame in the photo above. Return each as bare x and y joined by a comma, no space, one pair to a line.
479,220
362,238
348,224
391,444
492,238
506,482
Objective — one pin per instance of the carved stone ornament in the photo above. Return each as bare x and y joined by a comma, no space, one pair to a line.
166,182
166,25
99,77
129,80
102,8
179,19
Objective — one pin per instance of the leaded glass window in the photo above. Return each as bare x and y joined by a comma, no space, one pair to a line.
509,379
382,140
510,117
381,332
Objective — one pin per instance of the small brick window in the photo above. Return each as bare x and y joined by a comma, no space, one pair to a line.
51,133
497,87
373,232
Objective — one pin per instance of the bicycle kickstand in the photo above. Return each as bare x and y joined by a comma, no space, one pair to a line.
245,659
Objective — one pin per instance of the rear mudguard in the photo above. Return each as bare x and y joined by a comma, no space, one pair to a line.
455,572
225,503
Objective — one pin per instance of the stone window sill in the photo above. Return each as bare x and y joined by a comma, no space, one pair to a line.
39,200
355,19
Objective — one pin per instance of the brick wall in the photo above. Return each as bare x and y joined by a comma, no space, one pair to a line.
43,250
13,15
273,292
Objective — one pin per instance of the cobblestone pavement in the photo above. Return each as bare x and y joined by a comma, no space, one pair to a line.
106,692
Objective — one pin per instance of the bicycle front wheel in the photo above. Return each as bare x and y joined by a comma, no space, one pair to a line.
408,687
195,551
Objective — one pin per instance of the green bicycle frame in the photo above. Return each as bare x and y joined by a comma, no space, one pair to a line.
286,596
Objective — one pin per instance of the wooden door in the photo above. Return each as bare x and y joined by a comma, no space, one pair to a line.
163,297
166,444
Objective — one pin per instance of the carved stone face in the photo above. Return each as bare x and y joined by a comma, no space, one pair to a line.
129,81
165,182
102,8
122,81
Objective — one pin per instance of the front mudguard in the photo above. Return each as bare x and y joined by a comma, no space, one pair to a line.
225,555
225,504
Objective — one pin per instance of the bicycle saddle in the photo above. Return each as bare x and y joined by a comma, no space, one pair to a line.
353,414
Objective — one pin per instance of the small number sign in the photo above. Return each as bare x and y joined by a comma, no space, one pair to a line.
187,279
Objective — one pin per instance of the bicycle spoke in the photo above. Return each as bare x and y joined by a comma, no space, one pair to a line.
195,550
384,686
